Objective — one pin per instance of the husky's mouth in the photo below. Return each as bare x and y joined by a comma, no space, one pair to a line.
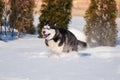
46,35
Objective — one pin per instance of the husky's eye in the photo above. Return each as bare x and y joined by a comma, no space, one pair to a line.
43,28
48,28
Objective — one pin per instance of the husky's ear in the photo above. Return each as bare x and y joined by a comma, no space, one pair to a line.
46,22
50,23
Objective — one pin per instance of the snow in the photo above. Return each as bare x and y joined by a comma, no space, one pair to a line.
28,59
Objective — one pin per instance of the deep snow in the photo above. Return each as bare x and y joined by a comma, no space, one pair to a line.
27,59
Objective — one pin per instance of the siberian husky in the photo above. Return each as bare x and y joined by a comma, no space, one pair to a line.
61,40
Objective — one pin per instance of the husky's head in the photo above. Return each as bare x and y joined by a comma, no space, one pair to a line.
48,31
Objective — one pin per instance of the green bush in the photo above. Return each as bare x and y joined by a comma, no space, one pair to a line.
56,11
1,10
21,16
101,28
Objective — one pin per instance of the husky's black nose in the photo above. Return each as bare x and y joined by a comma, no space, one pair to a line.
43,32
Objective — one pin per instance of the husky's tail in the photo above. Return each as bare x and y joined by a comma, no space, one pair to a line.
82,44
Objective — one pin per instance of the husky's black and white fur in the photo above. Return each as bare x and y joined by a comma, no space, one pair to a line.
60,40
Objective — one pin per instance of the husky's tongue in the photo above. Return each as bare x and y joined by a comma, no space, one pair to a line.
45,35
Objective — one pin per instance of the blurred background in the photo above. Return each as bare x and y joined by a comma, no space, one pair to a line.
79,6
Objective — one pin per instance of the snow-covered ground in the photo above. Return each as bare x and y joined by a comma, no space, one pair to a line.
27,59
